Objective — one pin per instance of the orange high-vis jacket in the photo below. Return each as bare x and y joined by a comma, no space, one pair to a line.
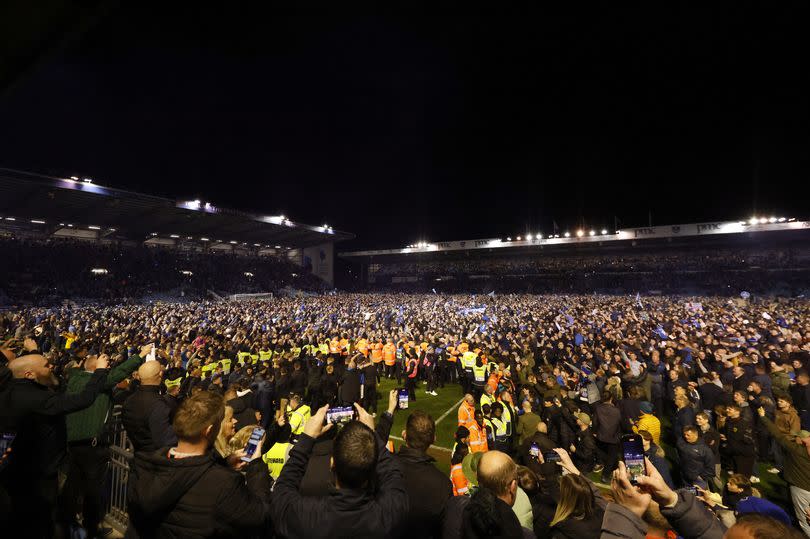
334,346
478,438
461,486
466,415
463,347
390,354
344,347
494,378
377,352
452,355
362,347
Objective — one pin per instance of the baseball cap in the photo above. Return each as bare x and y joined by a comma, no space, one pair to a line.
584,418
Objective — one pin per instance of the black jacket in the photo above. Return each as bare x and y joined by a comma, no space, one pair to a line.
504,515
545,443
711,395
196,497
37,414
630,410
585,455
607,423
242,411
344,513
145,416
696,460
428,490
350,387
739,438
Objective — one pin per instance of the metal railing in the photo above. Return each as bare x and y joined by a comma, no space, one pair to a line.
121,455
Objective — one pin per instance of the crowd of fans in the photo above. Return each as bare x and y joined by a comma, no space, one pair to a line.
553,386
48,271
697,271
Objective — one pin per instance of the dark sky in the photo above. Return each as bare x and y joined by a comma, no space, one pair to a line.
411,125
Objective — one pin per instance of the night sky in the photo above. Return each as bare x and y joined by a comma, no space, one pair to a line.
419,125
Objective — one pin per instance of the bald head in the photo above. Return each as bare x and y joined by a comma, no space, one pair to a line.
23,364
469,399
150,373
33,367
498,472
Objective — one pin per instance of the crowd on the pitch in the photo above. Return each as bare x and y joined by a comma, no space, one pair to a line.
551,384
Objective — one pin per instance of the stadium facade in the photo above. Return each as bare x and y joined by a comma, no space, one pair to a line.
759,234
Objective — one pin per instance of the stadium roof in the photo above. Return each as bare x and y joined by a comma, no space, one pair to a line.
53,203
768,228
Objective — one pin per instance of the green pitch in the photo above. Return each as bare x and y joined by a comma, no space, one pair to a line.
447,399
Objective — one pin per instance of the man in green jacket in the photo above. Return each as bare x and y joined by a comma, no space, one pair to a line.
797,466
89,453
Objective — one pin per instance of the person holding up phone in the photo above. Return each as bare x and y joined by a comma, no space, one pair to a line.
36,412
358,456
182,490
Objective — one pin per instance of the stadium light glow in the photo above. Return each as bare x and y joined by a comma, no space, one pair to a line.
87,180
782,219
112,230
604,231
10,219
539,236
94,227
153,234
186,272
508,238
592,233
248,274
189,238
278,246
529,237
763,220
204,239
567,234
232,242
753,221
580,233
37,222
70,226
772,220
175,236
99,271
518,238
74,178
61,224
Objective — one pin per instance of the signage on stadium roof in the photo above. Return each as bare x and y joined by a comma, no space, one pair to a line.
650,232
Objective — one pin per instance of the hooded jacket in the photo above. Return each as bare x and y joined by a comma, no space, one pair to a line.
196,497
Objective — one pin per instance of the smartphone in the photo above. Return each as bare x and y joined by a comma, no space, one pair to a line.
534,451
551,456
691,488
634,457
402,399
340,415
5,441
253,443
